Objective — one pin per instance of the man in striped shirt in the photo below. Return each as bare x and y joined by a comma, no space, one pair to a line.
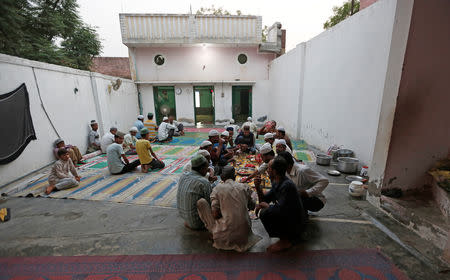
191,188
150,124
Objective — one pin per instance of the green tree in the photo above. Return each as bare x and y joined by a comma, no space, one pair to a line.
221,12
215,11
49,31
341,13
264,33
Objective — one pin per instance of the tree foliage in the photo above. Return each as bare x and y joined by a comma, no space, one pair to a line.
264,33
49,31
222,12
215,11
341,13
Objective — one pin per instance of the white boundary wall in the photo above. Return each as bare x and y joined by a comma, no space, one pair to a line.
69,112
329,90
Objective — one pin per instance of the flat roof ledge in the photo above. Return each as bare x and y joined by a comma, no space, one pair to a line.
157,29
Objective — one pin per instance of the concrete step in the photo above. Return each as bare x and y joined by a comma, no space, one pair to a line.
420,213
442,198
423,250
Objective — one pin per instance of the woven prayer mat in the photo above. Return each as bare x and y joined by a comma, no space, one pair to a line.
136,188
325,264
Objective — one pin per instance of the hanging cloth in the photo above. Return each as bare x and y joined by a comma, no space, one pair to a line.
16,124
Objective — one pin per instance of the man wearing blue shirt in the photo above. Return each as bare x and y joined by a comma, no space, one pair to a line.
139,124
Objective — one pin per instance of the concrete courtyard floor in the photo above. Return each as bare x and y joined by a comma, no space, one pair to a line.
65,227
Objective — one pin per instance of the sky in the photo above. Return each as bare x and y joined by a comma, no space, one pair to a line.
302,19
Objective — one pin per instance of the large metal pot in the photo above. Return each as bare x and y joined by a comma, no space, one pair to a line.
347,164
323,159
344,153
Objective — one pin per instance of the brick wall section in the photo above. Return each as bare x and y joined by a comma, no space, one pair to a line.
366,3
113,66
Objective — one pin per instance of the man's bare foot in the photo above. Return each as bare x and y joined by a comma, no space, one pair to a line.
49,189
279,246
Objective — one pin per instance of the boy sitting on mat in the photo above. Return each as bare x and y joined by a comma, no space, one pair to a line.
73,151
146,155
63,174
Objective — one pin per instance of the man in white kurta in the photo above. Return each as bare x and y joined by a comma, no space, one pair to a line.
227,218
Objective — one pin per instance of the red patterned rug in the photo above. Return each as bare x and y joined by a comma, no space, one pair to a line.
327,264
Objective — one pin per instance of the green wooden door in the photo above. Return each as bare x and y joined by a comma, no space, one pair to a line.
241,103
164,98
204,104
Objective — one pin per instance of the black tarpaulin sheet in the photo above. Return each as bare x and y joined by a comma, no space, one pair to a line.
16,125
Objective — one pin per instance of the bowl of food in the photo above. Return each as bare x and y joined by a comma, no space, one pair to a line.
245,171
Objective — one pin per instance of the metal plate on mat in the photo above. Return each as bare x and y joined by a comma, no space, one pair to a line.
334,172
354,178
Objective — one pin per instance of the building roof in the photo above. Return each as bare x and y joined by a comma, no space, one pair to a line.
113,66
166,29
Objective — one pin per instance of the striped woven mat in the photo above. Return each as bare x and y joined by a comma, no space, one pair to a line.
136,188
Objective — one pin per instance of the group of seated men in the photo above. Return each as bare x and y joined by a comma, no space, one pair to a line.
222,206
219,205
167,129
117,146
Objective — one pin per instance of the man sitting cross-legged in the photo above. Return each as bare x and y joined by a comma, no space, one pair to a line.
108,139
115,154
74,152
93,138
150,124
192,187
246,137
179,127
310,184
267,154
281,134
210,175
227,218
63,174
165,131
146,155
281,146
285,218
129,141
269,127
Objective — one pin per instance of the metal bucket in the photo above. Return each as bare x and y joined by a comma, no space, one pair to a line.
344,153
323,159
347,164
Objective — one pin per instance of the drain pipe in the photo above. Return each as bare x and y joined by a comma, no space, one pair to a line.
134,76
141,110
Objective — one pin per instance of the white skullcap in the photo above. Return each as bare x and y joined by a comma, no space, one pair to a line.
204,153
249,119
268,135
266,148
280,128
205,144
165,119
133,129
93,122
225,133
140,117
231,120
213,132
281,141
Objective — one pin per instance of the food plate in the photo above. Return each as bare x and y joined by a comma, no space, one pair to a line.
334,172
245,171
354,178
